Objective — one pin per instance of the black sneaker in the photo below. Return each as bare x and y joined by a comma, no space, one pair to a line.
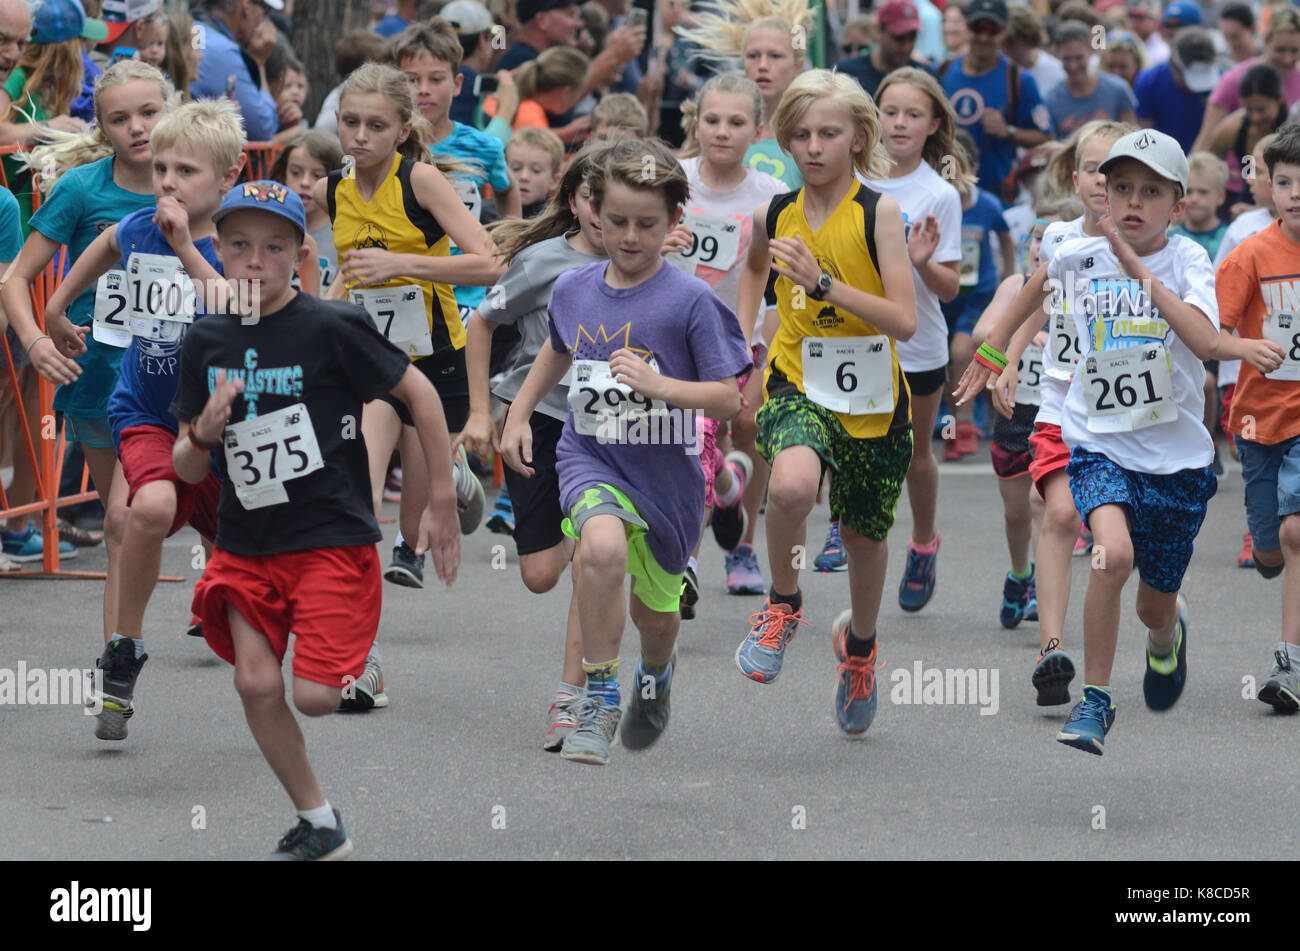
646,719
121,668
407,569
196,627
690,594
307,843
728,524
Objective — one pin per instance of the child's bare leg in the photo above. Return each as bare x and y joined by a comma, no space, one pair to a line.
1018,517
1112,561
792,492
148,520
1055,547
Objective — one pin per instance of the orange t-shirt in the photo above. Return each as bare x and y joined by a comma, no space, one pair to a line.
1261,276
530,113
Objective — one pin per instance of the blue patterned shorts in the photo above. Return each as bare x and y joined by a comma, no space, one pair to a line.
1164,511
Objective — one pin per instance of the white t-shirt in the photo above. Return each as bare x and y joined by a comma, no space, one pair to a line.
1020,220
1056,379
736,206
919,193
1252,222
1125,317
1047,71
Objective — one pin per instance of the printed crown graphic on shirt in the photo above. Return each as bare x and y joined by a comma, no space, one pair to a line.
602,345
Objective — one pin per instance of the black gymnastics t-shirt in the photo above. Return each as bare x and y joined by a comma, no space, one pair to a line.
326,355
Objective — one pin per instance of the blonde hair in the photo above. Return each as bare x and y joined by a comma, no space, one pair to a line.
733,83
542,139
648,165
940,151
54,73
818,84
63,151
512,235
555,68
1282,20
180,34
621,110
1208,165
722,27
211,126
1060,170
391,83
1059,207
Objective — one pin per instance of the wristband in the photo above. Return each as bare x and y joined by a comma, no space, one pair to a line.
988,357
36,341
206,447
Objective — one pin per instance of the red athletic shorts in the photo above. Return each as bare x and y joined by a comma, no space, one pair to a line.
146,455
1050,453
328,597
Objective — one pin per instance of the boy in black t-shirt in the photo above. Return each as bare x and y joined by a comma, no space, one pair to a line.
278,391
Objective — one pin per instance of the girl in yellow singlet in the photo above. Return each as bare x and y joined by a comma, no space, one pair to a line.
393,211
836,396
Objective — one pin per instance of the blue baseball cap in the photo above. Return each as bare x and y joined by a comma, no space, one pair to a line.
1182,13
57,21
265,196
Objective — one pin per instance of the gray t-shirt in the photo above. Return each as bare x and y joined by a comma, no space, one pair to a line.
522,297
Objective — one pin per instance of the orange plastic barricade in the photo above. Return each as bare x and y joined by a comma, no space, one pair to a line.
258,159
44,453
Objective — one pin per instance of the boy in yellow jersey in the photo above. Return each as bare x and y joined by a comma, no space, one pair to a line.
836,397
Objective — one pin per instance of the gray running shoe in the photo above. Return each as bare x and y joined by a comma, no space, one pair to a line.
1283,687
470,497
562,722
597,724
368,691
120,667
308,843
407,568
646,719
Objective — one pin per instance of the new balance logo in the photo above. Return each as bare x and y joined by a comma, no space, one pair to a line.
1085,263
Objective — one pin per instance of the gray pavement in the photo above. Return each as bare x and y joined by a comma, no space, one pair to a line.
454,767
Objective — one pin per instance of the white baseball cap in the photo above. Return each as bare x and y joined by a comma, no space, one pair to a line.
467,16
1157,151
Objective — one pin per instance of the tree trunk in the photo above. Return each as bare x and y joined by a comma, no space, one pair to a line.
317,26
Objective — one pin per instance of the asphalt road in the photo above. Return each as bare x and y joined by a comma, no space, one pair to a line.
454,768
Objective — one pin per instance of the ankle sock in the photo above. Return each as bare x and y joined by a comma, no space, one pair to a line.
856,646
602,681
136,642
661,674
692,564
1023,577
729,498
566,693
399,541
929,549
321,817
1168,649
795,601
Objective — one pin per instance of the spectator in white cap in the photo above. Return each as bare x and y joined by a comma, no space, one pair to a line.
227,29
475,27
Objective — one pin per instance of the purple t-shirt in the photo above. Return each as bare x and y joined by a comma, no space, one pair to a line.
678,320
1227,94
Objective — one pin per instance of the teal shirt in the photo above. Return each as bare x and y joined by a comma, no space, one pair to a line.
83,203
766,156
1209,240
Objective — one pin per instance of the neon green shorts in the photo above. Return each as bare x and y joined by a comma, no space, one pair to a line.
656,588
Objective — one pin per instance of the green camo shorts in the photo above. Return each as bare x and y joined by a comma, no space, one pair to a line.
869,473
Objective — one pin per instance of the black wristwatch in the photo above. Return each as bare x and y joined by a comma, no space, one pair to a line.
822,288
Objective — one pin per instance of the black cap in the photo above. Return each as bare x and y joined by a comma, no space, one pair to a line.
994,10
525,10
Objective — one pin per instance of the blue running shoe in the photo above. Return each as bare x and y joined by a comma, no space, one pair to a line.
855,690
30,546
833,556
917,587
1089,722
1031,608
1162,684
1015,599
502,519
760,654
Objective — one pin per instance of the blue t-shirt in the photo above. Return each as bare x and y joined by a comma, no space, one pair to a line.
971,95
83,107
11,229
1110,100
464,104
83,203
485,152
1170,110
390,26
978,225
150,366
224,71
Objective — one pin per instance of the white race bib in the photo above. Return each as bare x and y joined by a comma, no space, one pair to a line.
715,243
469,194
265,452
1284,330
1064,342
1029,381
158,290
853,375
112,323
595,396
1129,389
400,315
972,249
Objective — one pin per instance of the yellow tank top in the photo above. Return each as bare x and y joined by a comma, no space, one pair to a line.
394,220
845,245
